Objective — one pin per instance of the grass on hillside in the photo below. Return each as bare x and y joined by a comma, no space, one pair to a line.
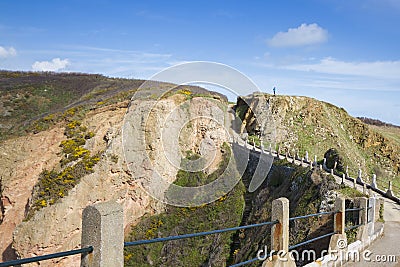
26,97
223,213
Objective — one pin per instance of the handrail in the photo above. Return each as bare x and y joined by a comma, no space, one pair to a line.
290,248
47,257
397,188
354,209
170,238
310,241
352,227
312,215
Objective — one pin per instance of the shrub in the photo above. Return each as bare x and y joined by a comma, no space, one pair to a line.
53,185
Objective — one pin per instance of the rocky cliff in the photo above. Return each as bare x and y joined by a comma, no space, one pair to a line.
76,158
306,124
68,151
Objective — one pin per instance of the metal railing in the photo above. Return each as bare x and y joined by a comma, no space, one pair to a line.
47,257
177,237
90,249
192,235
395,189
298,244
353,226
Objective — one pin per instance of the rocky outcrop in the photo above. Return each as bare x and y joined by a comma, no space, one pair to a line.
306,124
22,160
195,125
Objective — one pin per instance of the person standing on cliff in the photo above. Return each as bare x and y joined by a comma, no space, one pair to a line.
274,90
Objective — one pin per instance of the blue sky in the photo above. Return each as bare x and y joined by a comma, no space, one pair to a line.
343,52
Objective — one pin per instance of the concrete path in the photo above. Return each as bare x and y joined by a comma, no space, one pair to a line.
384,251
388,245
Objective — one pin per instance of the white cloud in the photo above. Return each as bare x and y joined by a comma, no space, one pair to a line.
380,69
305,34
55,64
7,52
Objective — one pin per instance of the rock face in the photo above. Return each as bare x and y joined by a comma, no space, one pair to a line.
158,134
21,162
198,126
306,124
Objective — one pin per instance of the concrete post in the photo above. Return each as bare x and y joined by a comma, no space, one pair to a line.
354,183
371,215
365,189
379,202
339,217
280,235
343,177
347,172
359,177
332,172
306,156
336,241
103,229
373,184
363,233
280,231
389,192
363,204
315,160
320,167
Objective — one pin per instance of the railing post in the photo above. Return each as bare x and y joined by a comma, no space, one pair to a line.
102,228
389,192
363,204
335,244
280,231
371,215
373,183
359,177
339,217
280,234
363,232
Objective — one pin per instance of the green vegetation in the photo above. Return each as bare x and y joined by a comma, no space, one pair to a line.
381,212
349,192
351,234
212,249
315,126
254,139
33,102
76,162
